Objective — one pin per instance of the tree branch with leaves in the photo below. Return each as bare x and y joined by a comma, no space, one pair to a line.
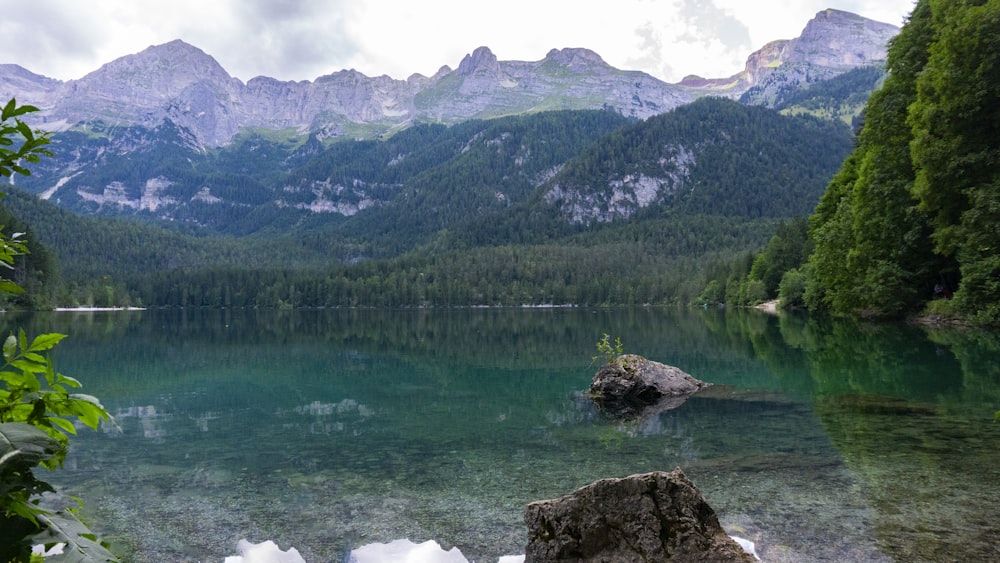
37,407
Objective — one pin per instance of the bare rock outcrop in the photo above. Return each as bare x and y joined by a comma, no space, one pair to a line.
633,387
655,516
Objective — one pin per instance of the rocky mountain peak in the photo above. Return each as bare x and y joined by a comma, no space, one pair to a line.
838,39
575,57
481,60
174,64
768,56
181,82
831,43
28,87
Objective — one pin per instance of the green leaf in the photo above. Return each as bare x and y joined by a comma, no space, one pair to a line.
23,110
46,341
81,543
33,357
28,366
8,110
67,380
23,443
10,348
88,409
13,379
25,132
25,510
63,423
7,286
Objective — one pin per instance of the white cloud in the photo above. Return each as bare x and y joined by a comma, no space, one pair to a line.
303,39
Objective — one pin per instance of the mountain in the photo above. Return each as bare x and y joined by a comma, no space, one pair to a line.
841,98
708,157
832,43
180,82
562,178
265,182
559,180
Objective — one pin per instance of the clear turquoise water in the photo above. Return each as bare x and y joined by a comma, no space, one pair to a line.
330,430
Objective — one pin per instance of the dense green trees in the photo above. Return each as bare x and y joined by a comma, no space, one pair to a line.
872,253
656,263
753,279
463,205
913,203
727,159
911,216
955,119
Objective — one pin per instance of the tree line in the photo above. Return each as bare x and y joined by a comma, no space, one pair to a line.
908,224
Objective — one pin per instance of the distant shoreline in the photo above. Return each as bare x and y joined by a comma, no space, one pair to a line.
92,309
768,306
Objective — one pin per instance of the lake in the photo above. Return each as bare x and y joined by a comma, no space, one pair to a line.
329,430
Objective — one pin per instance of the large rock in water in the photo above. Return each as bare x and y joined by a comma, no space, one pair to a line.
656,516
632,386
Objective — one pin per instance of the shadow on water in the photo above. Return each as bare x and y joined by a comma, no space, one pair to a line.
327,430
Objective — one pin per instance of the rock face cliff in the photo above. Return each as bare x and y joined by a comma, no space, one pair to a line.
832,43
180,82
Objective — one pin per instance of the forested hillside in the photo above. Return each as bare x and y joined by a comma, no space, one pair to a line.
917,204
910,220
434,215
712,156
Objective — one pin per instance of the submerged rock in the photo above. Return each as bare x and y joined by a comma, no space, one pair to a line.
632,386
656,516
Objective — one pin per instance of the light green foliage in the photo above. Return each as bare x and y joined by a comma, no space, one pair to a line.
713,294
49,406
756,278
32,145
608,351
31,148
792,289
37,414
9,248
37,409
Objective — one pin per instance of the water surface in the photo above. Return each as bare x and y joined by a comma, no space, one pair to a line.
330,430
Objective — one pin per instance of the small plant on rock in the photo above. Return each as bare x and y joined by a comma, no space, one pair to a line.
607,350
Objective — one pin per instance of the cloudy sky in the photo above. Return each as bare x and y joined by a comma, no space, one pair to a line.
304,39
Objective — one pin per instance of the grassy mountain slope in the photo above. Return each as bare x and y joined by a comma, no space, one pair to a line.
842,97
